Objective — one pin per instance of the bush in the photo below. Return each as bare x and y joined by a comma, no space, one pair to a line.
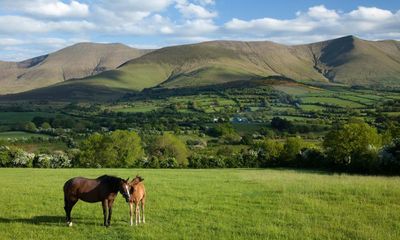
5,157
268,152
60,160
169,146
206,161
21,158
390,157
291,151
351,143
118,149
42,161
312,158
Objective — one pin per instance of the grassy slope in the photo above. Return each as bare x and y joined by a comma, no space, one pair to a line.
354,61
208,204
345,60
77,61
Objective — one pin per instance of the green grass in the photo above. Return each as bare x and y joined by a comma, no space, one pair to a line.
311,107
20,135
298,89
332,100
208,204
15,117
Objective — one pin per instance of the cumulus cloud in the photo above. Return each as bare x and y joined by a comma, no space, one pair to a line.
19,24
43,25
47,8
320,21
190,10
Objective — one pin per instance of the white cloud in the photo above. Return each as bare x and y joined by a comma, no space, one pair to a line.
29,25
136,5
46,25
205,2
370,14
48,8
321,12
190,10
319,21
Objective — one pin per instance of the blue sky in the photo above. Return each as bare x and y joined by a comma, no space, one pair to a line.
30,28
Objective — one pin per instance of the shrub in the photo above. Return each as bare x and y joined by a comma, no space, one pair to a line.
291,151
169,146
312,158
42,161
60,160
5,156
118,149
352,143
268,152
21,158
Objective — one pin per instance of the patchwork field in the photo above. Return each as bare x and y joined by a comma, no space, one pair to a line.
20,135
208,204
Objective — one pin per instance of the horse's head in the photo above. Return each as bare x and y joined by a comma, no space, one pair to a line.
124,188
134,182
137,180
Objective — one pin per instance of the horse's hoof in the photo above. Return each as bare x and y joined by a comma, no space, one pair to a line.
69,224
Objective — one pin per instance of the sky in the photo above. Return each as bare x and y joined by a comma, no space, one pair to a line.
30,28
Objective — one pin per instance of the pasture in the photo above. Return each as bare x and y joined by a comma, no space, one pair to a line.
207,204
20,135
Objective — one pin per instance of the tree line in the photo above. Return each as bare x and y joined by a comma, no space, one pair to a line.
352,147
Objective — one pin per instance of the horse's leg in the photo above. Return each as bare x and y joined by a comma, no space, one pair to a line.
110,204
143,205
137,213
104,203
131,212
68,205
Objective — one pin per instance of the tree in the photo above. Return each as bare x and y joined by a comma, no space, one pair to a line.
169,146
45,125
127,147
281,124
292,150
118,149
349,143
30,127
269,152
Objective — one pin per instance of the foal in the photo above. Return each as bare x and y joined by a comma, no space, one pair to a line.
138,197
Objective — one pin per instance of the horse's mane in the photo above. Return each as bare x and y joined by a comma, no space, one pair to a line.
109,179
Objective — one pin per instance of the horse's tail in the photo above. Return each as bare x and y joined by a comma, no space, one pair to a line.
66,186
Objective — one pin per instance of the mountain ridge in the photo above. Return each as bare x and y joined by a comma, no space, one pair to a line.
347,60
76,61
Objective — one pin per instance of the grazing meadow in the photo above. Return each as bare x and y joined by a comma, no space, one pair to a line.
207,204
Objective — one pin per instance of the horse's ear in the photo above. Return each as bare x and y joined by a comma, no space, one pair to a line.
141,179
127,180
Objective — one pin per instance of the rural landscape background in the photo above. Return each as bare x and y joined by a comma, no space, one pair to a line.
271,126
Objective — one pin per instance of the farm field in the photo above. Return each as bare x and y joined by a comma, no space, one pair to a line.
20,135
208,204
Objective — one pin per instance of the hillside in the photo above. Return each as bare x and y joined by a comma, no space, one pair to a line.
347,60
77,61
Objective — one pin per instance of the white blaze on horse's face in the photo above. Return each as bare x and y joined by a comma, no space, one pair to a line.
127,191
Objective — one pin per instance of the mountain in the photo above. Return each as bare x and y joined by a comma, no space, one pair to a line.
353,61
347,60
77,61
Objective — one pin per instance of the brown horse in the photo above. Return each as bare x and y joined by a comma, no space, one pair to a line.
103,189
138,197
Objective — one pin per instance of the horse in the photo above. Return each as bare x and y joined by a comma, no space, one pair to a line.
103,189
138,197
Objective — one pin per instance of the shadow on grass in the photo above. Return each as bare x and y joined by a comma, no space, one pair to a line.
48,220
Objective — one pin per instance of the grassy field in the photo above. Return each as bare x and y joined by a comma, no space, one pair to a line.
208,204
20,135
